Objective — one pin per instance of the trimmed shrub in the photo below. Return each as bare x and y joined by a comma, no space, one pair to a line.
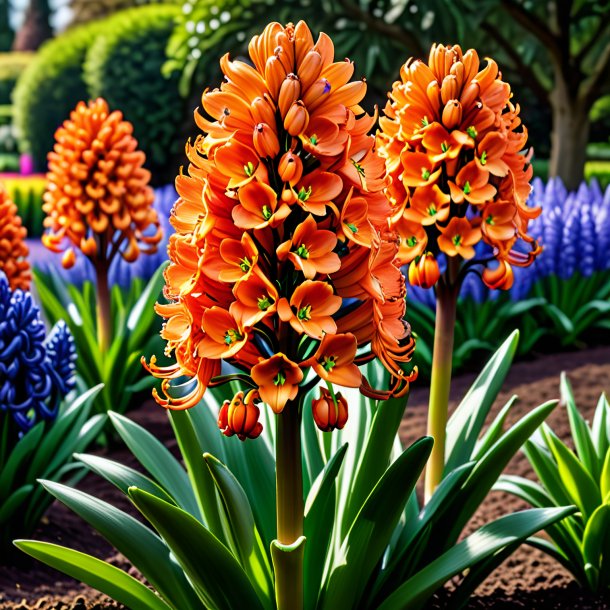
26,192
123,66
11,67
49,88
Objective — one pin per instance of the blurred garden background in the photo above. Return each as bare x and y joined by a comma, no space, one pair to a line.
153,60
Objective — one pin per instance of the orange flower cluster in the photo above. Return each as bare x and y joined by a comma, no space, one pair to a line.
282,260
453,152
13,250
98,198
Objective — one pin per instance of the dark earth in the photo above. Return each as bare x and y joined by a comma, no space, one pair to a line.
528,580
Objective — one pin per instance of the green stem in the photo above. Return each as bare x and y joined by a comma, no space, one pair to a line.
104,318
440,382
290,507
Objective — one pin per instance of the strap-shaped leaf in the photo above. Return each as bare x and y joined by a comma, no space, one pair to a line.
580,431
372,529
604,479
213,571
596,547
157,460
600,430
240,530
144,549
485,542
96,573
14,502
465,425
495,430
318,526
24,447
579,484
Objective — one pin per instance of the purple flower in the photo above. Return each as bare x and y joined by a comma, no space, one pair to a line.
35,372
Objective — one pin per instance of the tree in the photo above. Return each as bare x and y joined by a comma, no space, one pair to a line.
6,33
36,27
84,11
572,38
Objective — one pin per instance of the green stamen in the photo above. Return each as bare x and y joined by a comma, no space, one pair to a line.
264,302
304,313
267,212
303,194
431,210
245,265
490,220
472,132
280,378
457,240
411,241
424,122
467,188
359,168
249,169
232,336
314,139
352,228
302,251
329,363
425,173
483,158
445,147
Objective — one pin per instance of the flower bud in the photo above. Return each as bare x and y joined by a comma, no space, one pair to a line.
289,93
290,168
88,246
68,259
240,416
297,119
328,415
500,278
265,140
424,271
452,114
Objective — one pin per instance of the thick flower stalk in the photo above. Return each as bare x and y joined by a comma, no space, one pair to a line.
282,264
98,200
13,249
453,144
36,371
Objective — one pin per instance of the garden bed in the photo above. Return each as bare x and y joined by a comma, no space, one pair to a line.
529,579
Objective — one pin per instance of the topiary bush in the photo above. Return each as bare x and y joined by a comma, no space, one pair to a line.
49,88
11,67
123,66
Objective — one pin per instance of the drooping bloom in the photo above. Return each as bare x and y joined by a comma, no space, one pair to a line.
13,249
98,199
282,218
36,370
453,143
328,413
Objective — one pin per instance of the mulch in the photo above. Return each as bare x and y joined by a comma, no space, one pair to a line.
529,579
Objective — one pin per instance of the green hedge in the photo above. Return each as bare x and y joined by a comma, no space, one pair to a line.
11,67
48,90
26,192
123,66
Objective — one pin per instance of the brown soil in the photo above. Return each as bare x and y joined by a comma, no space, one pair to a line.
529,579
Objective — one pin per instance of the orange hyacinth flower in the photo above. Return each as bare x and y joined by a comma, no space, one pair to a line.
98,199
453,144
278,380
311,249
13,249
240,416
282,216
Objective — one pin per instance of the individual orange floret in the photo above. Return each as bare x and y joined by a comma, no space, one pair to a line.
98,199
329,413
453,144
13,249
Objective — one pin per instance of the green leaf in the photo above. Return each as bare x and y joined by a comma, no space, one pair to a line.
145,550
318,527
157,460
604,479
122,476
199,475
578,483
465,425
14,502
213,571
372,529
580,431
495,430
96,573
596,545
600,429
28,443
239,528
483,543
